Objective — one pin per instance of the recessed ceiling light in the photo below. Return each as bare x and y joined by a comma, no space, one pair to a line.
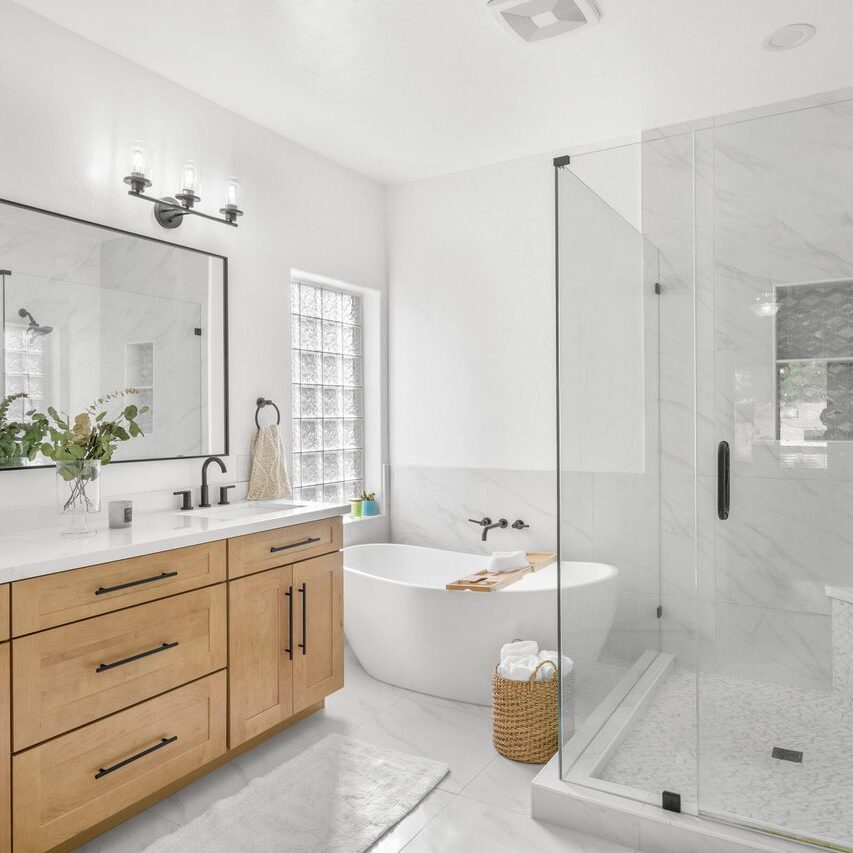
789,37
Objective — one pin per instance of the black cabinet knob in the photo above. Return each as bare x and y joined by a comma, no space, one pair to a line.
187,502
223,494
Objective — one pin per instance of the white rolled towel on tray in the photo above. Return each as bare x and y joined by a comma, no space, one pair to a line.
508,561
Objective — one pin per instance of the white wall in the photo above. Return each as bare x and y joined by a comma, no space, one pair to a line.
471,317
64,148
472,379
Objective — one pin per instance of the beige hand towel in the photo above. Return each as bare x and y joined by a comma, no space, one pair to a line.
268,479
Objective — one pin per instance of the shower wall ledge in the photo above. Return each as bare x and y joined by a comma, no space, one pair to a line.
643,826
840,593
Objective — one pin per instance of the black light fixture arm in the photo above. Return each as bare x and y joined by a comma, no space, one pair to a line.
169,212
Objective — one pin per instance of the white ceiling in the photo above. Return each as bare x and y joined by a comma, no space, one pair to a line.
403,89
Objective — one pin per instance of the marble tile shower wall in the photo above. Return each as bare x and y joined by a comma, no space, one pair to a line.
770,199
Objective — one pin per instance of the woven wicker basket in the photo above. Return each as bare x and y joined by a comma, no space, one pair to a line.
524,715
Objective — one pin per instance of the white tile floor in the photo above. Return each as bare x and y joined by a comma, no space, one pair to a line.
482,805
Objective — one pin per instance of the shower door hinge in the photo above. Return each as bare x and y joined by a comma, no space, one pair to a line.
560,162
657,288
660,611
197,331
670,801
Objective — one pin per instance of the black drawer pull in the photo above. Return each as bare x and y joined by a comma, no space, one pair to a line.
105,666
304,644
276,549
289,648
164,742
102,590
724,487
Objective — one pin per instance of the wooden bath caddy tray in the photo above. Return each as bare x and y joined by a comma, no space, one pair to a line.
486,581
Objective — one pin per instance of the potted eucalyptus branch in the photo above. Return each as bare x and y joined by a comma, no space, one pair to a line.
20,441
80,447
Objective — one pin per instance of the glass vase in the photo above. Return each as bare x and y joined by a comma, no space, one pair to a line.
78,494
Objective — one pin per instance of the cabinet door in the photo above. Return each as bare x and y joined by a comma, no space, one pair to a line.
318,660
5,752
260,667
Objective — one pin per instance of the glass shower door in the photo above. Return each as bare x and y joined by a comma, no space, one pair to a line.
774,337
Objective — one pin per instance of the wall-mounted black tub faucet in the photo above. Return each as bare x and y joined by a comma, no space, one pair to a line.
501,522
205,491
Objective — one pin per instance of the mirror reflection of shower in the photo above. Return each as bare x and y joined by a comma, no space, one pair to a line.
34,328
24,351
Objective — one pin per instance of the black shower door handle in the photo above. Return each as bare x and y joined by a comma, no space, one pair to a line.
724,488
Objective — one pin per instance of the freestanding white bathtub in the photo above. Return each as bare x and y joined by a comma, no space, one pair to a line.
407,629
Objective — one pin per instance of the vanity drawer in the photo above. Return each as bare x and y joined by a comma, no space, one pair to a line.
72,675
282,546
73,782
53,600
5,621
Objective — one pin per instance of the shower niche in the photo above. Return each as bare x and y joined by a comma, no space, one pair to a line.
88,310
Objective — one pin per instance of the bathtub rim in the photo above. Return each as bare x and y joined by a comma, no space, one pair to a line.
610,575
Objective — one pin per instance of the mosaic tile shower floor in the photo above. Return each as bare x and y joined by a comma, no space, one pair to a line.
741,722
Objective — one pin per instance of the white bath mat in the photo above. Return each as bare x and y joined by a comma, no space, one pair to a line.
339,795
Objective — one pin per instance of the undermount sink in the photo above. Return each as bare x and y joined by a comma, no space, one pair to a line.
245,510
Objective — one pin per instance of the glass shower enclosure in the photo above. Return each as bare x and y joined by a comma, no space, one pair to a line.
705,316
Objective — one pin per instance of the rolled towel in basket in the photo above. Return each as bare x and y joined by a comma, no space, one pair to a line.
519,668
568,664
508,561
519,648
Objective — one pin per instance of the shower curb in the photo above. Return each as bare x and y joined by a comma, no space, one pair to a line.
644,826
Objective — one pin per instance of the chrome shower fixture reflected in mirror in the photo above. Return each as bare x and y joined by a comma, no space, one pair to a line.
36,329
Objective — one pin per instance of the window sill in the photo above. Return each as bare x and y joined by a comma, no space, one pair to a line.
348,519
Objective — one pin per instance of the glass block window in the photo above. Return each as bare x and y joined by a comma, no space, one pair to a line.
328,410
24,358
814,362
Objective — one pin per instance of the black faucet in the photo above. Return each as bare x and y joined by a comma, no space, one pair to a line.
501,522
487,524
205,491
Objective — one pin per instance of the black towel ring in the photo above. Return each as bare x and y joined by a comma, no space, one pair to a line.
261,403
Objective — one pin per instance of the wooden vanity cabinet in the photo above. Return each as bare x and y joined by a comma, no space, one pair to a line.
5,748
260,652
286,643
135,677
318,660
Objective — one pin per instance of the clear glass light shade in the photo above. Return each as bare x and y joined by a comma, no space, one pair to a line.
139,161
765,305
189,178
233,194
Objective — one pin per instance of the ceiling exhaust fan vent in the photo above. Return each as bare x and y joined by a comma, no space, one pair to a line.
535,20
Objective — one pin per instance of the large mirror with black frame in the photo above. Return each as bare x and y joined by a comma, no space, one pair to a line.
89,310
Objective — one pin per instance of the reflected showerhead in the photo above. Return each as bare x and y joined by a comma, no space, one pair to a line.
34,328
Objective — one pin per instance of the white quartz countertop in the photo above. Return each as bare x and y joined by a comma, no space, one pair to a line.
43,551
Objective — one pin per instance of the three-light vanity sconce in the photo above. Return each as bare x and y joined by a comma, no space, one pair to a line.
170,212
